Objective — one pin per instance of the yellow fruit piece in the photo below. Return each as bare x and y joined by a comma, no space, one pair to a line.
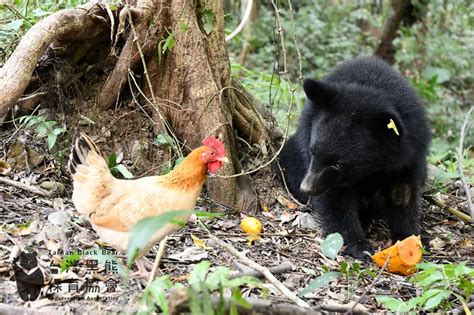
251,225
403,256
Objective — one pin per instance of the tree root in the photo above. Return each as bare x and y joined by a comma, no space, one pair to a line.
81,23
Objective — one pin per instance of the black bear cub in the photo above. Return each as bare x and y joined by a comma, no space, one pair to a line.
360,152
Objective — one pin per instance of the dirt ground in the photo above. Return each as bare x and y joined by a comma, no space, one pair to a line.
47,225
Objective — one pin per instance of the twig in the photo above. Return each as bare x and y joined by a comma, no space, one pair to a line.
158,257
350,307
264,271
281,268
439,203
460,164
353,308
36,190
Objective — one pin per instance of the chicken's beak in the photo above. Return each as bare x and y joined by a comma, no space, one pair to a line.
223,159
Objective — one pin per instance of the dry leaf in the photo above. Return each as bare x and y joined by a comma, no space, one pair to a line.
5,167
20,156
287,203
199,242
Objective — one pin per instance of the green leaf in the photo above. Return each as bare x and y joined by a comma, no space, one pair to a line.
320,282
208,20
206,214
198,275
70,260
391,303
41,130
158,290
239,299
143,230
183,27
58,131
123,170
217,277
332,245
440,75
240,281
206,301
436,296
169,43
194,302
461,269
163,139
431,278
177,162
51,140
112,161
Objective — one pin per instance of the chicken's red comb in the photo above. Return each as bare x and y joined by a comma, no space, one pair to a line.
215,143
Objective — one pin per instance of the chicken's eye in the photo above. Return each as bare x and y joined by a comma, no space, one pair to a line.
212,153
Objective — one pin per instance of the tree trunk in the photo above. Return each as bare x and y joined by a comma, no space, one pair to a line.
385,49
187,87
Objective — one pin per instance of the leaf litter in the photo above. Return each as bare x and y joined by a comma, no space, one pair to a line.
51,227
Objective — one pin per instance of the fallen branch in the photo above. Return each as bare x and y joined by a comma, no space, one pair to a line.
281,268
264,271
257,306
435,201
460,164
36,190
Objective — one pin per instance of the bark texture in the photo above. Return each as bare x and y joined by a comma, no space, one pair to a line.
385,49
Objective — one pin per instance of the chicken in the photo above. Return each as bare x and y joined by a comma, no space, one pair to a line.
114,205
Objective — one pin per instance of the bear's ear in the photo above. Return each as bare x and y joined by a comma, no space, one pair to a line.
318,91
388,124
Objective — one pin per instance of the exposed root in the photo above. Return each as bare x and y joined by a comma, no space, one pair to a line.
74,24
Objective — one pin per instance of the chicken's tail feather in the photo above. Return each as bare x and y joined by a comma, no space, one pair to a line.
79,152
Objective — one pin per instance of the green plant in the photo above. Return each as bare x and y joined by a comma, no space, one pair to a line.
202,283
352,272
166,44
115,167
441,286
44,128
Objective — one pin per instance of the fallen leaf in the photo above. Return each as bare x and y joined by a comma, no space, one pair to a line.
286,217
20,156
59,218
180,278
22,229
199,242
190,254
305,221
286,202
52,185
5,167
437,244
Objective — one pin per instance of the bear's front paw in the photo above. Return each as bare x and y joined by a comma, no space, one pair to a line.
362,251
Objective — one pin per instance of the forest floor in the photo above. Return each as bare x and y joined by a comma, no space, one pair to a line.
47,225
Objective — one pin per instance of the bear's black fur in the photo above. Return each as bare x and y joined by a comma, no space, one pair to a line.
29,277
344,155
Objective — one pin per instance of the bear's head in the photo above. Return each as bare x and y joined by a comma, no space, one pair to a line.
354,132
28,260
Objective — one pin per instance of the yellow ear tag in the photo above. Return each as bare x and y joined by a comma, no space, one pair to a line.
391,125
